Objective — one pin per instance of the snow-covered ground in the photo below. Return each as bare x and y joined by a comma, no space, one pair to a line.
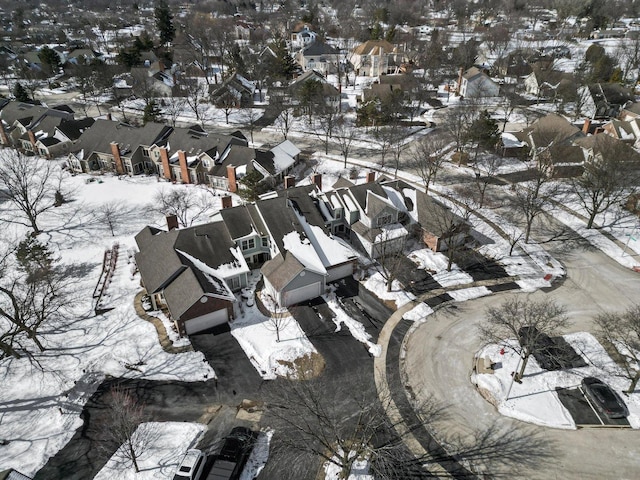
535,399
162,445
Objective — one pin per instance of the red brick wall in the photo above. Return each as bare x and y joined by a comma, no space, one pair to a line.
231,176
184,169
166,167
115,151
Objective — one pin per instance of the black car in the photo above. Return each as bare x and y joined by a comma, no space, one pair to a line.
604,398
234,455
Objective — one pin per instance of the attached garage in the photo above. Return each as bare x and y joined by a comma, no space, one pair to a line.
206,322
339,271
301,294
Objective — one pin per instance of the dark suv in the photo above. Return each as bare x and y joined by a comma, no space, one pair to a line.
234,455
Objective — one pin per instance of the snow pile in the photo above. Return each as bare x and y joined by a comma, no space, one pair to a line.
164,444
378,285
419,313
535,399
436,263
259,456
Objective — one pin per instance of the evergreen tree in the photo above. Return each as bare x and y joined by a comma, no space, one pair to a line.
20,93
283,67
484,131
50,60
164,22
151,113
34,258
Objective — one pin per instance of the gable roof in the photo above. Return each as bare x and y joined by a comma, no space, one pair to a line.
242,220
320,48
102,133
374,47
281,269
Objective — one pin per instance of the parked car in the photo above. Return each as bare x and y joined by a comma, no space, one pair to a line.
604,398
191,465
233,455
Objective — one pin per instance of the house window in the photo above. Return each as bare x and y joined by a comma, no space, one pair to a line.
384,220
248,244
234,283
265,242
338,214
145,152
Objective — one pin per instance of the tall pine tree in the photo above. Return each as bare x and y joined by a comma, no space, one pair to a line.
20,93
151,113
164,22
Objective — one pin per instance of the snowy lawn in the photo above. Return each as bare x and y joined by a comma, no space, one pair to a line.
164,446
42,405
258,337
378,286
535,399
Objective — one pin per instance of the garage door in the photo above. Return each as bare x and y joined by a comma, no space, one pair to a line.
205,322
301,294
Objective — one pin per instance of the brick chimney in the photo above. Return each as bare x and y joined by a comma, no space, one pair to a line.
231,176
32,139
166,166
115,151
184,168
316,178
172,222
227,201
586,126
289,181
371,177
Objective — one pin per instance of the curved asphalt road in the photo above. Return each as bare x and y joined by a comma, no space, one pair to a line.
439,357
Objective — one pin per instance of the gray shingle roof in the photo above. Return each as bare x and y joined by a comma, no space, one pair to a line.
242,220
281,270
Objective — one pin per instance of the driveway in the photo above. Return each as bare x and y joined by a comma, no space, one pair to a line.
439,361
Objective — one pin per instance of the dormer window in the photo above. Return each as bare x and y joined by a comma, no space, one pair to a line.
384,220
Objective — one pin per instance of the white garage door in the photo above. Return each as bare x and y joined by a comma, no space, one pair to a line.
301,294
204,322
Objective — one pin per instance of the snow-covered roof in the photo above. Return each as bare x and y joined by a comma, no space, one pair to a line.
282,160
330,251
389,232
396,198
305,253
510,141
220,287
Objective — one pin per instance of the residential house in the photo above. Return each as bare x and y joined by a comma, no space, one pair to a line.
373,58
149,82
60,142
545,82
552,139
187,155
474,83
302,35
21,124
305,257
235,91
627,131
605,100
200,268
116,147
629,111
82,56
330,94
440,227
319,56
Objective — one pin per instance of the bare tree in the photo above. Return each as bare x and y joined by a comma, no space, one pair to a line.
251,116
536,195
278,318
608,177
196,95
126,413
528,321
32,291
284,121
428,156
485,170
316,429
30,187
345,134
187,204
112,214
173,107
621,333
457,121
327,120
